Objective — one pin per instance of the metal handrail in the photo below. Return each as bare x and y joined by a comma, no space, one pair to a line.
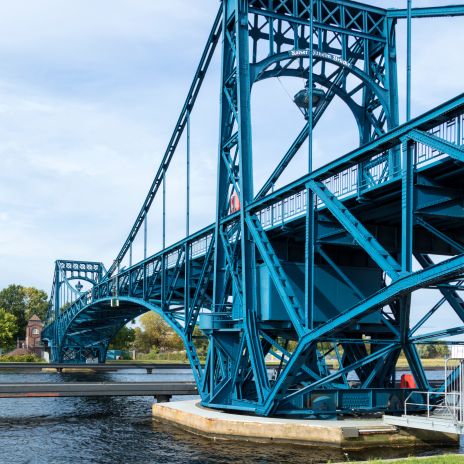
455,411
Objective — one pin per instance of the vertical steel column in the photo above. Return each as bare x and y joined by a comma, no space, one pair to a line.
222,189
407,239
407,243
62,297
459,130
407,219
310,246
408,60
57,291
461,390
187,213
407,222
249,302
163,259
391,75
407,206
145,237
187,226
164,209
222,194
234,269
245,154
366,131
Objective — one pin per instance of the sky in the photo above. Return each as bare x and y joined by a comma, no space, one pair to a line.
89,95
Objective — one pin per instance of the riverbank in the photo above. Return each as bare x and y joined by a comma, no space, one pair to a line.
431,364
443,459
434,364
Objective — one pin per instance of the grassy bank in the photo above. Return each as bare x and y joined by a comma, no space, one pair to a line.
150,361
444,459
179,358
437,363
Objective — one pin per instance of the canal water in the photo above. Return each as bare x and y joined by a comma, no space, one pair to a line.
121,430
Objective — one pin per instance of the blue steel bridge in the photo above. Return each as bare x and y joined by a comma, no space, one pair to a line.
324,267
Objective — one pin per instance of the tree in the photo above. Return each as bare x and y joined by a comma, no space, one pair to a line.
23,303
200,340
12,301
8,328
433,350
36,302
155,333
123,339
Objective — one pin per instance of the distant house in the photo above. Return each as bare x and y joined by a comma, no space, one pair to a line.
32,343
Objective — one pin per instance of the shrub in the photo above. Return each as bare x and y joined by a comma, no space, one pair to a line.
20,358
154,355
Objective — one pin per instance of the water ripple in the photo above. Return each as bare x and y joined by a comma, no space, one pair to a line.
121,430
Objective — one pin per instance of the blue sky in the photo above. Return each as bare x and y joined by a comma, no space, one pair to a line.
89,94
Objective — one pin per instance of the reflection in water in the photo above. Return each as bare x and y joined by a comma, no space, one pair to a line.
121,430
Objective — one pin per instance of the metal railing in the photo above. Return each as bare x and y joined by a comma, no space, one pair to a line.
451,131
437,405
375,171
442,405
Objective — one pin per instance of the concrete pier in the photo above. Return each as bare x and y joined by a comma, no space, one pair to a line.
349,434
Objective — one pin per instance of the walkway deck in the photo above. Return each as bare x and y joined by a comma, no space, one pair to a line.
149,367
162,391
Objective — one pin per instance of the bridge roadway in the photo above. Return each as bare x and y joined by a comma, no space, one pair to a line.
18,366
162,391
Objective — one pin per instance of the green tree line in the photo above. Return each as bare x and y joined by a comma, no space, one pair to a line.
154,336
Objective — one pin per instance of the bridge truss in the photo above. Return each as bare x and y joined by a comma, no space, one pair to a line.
324,267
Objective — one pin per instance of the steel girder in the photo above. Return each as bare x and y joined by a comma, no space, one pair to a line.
374,209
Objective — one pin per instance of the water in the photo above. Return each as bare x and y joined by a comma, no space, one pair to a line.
121,430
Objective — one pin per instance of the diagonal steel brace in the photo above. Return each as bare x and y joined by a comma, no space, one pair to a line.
354,227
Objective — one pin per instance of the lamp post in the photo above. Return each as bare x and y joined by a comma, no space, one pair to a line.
301,99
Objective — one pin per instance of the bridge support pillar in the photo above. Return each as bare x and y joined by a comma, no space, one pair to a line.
102,349
163,398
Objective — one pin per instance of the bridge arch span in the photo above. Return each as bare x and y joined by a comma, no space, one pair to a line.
89,330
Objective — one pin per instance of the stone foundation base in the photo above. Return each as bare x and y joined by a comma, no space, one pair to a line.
349,434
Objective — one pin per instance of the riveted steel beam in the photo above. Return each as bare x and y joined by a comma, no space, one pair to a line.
437,144
430,12
353,226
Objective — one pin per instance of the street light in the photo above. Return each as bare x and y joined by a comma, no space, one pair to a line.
301,98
